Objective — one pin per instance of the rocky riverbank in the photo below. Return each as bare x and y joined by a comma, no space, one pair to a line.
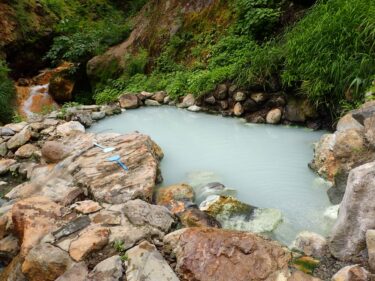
79,215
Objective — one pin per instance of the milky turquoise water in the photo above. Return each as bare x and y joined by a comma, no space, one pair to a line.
266,164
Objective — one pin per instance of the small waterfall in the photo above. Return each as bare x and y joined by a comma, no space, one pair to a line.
34,99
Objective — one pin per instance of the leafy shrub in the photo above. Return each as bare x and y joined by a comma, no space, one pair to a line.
136,64
257,17
7,94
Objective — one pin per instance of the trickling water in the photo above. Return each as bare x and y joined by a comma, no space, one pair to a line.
36,100
267,165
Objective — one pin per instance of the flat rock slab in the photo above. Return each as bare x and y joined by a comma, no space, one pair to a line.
107,181
210,254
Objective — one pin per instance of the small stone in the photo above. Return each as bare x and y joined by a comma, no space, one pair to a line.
274,116
89,240
194,108
129,101
223,104
110,269
239,96
167,99
210,100
9,247
149,102
238,109
258,97
69,128
187,101
146,261
20,138
250,106
193,217
26,151
54,151
167,196
159,96
98,115
351,273
86,207
221,92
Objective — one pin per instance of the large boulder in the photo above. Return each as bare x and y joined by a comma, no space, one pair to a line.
5,165
210,254
147,264
69,128
356,214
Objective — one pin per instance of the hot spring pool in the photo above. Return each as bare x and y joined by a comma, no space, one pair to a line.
266,164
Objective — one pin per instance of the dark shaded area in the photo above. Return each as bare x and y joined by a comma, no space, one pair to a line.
27,59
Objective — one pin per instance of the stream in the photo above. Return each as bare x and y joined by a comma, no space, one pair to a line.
266,164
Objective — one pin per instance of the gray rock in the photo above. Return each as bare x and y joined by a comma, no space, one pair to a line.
20,138
210,100
367,110
98,115
223,104
78,272
348,122
129,101
356,214
16,127
351,273
370,243
3,149
147,264
83,117
312,244
140,213
274,116
370,130
4,131
110,269
149,102
239,96
221,92
111,109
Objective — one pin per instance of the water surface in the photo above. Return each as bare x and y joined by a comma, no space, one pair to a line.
266,164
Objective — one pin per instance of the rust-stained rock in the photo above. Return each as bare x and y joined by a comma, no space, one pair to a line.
209,254
45,263
175,197
89,240
192,217
33,218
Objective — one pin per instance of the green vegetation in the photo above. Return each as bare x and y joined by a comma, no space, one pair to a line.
328,56
7,94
